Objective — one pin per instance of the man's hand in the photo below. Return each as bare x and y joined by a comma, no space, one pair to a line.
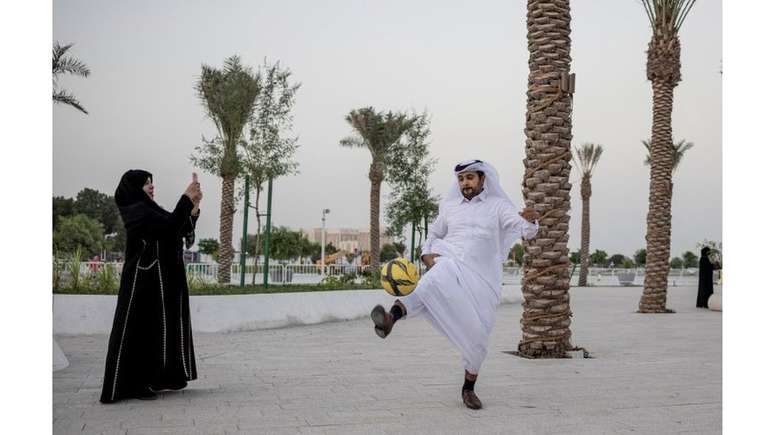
529,214
429,260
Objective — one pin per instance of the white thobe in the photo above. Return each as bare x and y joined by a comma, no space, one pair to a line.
460,293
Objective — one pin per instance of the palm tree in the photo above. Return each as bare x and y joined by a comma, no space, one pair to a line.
586,159
61,64
379,132
678,152
228,96
663,70
545,321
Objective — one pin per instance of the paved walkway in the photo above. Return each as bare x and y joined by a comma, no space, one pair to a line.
649,374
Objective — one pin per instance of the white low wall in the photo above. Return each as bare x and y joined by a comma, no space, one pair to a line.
93,314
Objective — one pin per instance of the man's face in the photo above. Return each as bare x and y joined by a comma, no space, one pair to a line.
471,184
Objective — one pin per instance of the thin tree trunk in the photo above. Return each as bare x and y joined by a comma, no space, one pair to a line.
376,175
258,232
659,229
546,318
227,210
585,231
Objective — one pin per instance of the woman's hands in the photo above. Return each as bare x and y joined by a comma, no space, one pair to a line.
194,193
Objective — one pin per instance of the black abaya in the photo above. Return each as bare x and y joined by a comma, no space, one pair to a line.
151,345
705,280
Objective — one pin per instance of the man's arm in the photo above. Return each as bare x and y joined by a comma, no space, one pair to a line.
513,222
437,230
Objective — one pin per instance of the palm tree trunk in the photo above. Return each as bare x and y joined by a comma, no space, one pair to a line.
376,175
585,231
227,210
659,225
545,322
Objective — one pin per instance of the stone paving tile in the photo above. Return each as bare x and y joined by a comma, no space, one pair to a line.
648,374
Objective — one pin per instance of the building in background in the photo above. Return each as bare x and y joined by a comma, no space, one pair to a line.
350,240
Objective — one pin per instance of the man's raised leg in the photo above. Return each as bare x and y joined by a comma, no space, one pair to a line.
384,320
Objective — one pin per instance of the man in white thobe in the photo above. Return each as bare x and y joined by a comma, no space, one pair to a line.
466,245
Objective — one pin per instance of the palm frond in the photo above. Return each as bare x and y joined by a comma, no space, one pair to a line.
667,16
379,131
678,152
60,63
587,157
352,142
229,96
65,98
646,143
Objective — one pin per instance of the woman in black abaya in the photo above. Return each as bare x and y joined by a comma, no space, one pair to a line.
706,267
151,346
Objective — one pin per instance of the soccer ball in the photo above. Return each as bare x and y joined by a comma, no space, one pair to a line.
399,277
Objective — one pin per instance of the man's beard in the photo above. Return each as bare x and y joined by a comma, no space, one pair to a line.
470,192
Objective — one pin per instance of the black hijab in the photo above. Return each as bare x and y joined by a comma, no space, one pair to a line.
129,190
705,251
132,201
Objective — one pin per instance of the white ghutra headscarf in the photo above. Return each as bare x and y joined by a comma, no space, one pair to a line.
491,182
492,188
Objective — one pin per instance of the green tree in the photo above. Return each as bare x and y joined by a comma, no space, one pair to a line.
575,257
379,132
400,247
411,200
228,96
676,263
599,258
116,241
690,259
61,207
616,259
388,252
586,159
286,244
209,247
663,71
79,231
639,257
62,63
310,249
99,206
628,263
517,254
269,150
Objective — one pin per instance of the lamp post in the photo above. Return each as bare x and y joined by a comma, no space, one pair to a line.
322,245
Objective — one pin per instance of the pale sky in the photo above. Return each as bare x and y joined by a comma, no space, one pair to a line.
464,62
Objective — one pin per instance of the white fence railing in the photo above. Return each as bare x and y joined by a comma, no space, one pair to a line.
311,273
609,277
277,273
